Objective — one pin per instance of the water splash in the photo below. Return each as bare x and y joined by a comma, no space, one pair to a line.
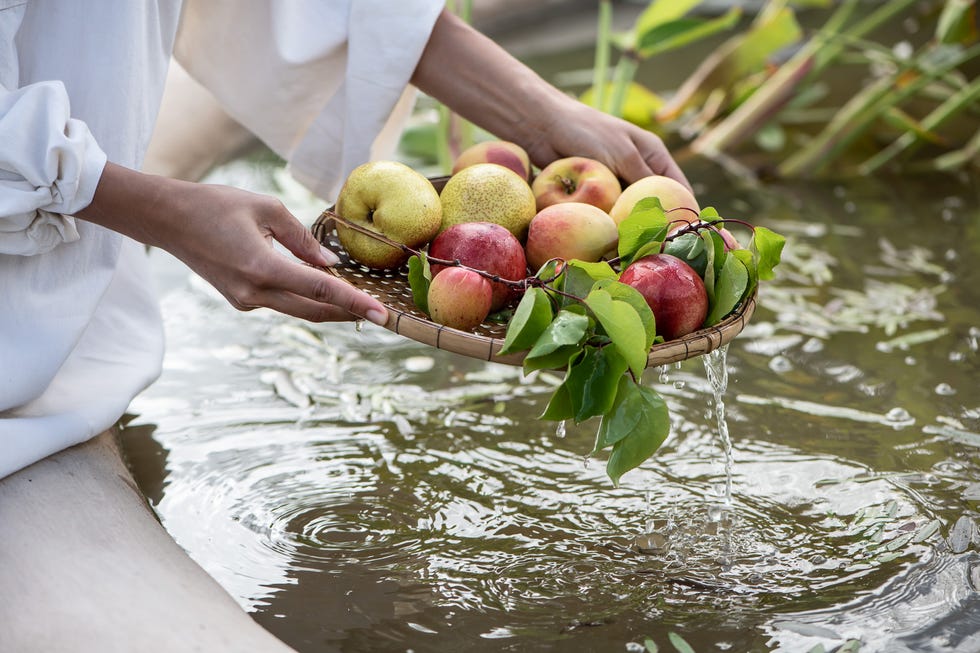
716,369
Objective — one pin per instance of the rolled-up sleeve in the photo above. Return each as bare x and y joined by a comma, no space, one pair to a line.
325,84
50,166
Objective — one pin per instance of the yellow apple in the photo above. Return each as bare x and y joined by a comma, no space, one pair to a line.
677,200
390,199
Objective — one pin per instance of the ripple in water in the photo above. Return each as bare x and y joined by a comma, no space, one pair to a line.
379,514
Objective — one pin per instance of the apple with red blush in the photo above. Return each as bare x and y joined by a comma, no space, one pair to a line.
459,298
673,290
576,179
483,246
503,153
570,230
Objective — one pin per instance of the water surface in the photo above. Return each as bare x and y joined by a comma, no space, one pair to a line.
356,491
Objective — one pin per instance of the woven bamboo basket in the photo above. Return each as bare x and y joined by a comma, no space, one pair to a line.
391,287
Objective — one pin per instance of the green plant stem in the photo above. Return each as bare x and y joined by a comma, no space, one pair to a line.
623,76
960,101
602,54
857,115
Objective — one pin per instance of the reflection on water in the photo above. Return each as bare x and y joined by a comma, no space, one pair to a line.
356,491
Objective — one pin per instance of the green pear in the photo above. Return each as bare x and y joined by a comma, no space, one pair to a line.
390,199
487,192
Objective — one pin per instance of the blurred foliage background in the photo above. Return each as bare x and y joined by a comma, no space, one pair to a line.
856,88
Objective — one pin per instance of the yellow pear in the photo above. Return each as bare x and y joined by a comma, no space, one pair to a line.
487,192
391,199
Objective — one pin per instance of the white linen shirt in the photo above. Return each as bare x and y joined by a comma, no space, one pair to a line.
324,84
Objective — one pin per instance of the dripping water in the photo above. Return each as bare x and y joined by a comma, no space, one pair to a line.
716,368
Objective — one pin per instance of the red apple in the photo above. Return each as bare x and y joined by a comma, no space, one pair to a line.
576,179
459,298
674,291
504,153
485,246
677,200
570,230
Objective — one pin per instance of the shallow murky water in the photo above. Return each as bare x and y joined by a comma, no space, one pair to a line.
356,491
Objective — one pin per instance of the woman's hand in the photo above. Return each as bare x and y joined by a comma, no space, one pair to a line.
483,83
226,235
576,129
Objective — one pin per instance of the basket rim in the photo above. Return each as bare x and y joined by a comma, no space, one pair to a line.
410,324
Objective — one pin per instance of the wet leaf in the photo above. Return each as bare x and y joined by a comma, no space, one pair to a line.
579,277
647,222
532,317
560,406
729,289
630,295
592,382
635,427
567,329
623,325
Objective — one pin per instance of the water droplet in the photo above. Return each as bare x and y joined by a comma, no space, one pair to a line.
945,389
358,325
654,542
560,429
813,345
818,560
898,416
910,360
664,377
780,364
679,385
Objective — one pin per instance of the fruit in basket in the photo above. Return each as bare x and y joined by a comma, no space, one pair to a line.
570,230
459,298
504,153
485,246
576,179
391,199
673,195
487,192
674,292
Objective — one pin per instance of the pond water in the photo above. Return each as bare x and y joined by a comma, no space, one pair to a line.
357,491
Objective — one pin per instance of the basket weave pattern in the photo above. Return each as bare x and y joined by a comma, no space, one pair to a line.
391,287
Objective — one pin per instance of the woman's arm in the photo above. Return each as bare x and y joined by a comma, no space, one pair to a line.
226,235
479,80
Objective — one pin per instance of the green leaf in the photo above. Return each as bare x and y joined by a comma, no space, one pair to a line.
556,360
592,381
579,277
767,246
418,281
683,31
659,12
636,427
633,297
619,421
566,329
730,288
623,325
958,22
691,249
560,406
532,317
646,223
748,260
